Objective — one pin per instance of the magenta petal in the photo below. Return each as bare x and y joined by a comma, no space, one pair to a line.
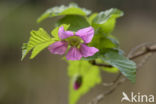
59,47
64,34
73,54
86,34
87,51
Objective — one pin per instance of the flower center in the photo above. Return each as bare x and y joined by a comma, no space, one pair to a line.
74,41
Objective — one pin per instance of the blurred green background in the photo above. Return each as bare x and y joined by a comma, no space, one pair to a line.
44,80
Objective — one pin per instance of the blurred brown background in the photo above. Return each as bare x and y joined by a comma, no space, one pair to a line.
44,80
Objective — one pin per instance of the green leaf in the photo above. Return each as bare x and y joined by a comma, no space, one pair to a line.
103,16
38,48
76,22
104,41
72,9
97,55
126,66
107,27
106,20
54,32
38,41
90,77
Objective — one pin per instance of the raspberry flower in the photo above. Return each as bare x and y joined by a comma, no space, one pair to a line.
76,41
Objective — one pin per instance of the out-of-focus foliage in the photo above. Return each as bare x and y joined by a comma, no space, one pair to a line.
90,77
74,18
72,9
106,20
103,16
76,22
104,41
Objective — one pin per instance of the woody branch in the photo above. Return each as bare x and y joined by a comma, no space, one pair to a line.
133,54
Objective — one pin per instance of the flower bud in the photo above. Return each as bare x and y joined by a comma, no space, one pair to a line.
78,82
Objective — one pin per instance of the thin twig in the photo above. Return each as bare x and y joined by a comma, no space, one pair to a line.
100,97
144,60
119,80
112,83
150,49
134,50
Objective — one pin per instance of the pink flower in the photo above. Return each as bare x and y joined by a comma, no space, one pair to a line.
77,42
